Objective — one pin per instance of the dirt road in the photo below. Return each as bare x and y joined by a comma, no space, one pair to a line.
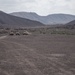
22,55
2,37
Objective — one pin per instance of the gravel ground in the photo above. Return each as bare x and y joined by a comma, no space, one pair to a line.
40,54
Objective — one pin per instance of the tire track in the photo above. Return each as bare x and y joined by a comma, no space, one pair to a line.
55,64
21,59
2,37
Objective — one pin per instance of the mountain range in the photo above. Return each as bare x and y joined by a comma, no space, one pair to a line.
47,20
7,20
11,20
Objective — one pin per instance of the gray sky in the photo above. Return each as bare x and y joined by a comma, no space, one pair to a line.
41,7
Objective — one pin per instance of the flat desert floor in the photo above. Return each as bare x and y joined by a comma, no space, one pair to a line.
41,54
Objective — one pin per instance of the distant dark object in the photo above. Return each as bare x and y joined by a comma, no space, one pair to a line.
17,33
11,33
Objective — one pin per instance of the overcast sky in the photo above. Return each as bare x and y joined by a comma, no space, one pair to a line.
41,7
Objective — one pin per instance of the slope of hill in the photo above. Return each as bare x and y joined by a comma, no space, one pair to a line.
71,24
50,19
13,21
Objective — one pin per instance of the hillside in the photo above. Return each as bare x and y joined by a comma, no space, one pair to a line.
7,20
71,24
48,20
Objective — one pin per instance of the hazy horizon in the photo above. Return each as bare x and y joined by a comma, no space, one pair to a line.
39,14
41,7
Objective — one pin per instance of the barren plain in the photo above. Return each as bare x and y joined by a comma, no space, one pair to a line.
37,54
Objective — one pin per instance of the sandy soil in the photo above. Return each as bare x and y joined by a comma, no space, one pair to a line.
40,54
